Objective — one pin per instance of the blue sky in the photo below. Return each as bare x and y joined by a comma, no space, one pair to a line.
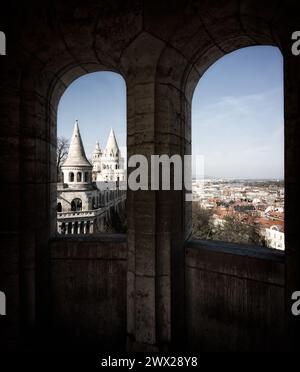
237,113
98,102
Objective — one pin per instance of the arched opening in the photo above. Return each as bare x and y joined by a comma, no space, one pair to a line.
76,205
238,148
91,125
59,207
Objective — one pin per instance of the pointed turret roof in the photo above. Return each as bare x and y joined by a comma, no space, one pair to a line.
112,147
76,154
97,148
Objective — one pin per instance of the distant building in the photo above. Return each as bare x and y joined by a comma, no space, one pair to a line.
84,206
275,237
109,165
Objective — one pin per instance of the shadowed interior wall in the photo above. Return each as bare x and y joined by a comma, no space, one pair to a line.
234,297
88,293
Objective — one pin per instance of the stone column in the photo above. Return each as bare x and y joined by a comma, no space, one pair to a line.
158,123
141,59
156,219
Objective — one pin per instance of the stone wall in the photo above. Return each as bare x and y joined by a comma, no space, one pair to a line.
88,293
234,297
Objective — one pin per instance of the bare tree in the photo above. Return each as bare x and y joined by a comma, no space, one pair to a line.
232,229
202,222
61,153
235,231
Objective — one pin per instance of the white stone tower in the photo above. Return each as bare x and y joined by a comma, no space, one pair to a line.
96,160
77,170
77,193
108,166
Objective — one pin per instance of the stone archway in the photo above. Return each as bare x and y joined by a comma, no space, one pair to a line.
76,205
161,49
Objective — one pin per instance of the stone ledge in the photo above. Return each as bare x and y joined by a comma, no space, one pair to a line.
114,238
237,249
243,262
83,247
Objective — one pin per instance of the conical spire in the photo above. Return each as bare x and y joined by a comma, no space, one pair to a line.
112,148
76,154
97,148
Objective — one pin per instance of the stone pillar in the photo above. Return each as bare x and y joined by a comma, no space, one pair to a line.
156,226
141,212
158,222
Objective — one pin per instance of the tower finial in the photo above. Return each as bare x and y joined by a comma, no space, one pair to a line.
97,148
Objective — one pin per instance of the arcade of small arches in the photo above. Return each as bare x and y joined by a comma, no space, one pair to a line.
100,200
80,177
